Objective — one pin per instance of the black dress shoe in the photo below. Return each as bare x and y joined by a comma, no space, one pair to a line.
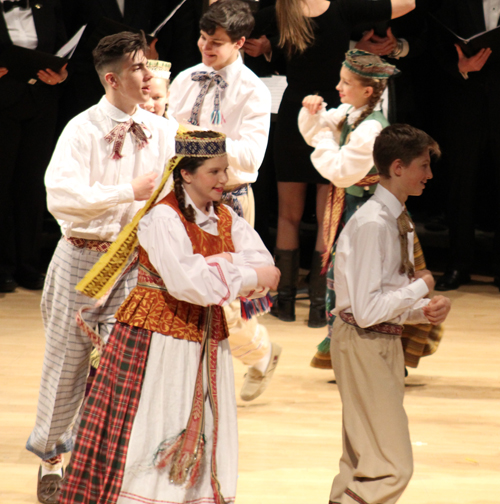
452,280
7,283
31,282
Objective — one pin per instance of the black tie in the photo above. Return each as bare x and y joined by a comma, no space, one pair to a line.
8,5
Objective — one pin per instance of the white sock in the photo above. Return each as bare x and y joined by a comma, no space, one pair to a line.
262,364
51,469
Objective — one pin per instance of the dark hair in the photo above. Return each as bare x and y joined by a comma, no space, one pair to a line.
233,16
401,141
191,165
113,49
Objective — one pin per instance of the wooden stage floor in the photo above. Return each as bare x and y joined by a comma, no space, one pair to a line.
290,438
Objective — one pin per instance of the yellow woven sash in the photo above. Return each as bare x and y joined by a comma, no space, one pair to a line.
334,209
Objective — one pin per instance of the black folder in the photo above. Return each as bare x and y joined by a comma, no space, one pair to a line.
471,46
23,64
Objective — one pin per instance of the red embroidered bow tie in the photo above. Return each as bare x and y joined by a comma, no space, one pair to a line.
117,135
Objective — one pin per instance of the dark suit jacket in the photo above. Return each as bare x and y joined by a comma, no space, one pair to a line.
465,18
138,13
177,40
51,36
83,88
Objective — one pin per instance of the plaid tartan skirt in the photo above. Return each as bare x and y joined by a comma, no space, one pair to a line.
140,402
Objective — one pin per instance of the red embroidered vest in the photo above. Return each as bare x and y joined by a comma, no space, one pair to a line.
151,307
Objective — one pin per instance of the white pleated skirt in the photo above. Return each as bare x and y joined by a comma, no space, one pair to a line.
163,413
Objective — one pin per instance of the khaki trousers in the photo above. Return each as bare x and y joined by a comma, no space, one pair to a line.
249,341
377,461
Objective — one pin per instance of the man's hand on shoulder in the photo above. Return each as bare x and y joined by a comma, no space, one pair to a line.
437,310
144,186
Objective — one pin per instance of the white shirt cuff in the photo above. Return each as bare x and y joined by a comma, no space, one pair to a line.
419,288
249,276
406,48
125,193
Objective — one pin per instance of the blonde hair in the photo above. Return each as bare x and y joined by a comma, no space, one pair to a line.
378,86
296,29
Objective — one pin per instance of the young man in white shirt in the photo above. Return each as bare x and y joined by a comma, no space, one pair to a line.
222,94
377,292
103,169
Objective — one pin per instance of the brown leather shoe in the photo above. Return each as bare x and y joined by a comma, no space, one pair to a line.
48,488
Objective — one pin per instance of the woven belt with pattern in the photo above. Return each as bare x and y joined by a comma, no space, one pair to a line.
384,328
240,189
96,245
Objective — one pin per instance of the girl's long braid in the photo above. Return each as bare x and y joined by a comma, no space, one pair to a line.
378,89
188,211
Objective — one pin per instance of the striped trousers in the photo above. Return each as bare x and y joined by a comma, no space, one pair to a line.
67,348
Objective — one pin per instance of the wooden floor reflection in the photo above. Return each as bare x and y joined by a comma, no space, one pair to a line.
290,438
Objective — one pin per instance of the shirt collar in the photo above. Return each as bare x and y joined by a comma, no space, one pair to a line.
118,115
353,114
201,218
228,71
389,200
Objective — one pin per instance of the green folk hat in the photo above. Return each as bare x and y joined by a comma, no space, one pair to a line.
368,65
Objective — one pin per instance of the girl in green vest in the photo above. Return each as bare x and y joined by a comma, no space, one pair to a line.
343,139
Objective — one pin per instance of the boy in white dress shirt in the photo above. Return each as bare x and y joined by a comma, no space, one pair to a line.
223,95
103,169
377,292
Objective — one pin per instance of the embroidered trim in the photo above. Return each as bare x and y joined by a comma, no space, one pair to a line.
95,245
146,500
355,497
384,328
223,278
230,198
216,116
149,279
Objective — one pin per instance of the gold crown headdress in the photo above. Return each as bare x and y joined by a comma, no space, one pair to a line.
160,69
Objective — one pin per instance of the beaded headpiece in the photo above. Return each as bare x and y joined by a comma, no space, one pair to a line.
187,144
160,69
369,65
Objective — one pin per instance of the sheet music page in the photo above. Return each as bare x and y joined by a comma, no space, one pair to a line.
277,85
69,47
167,19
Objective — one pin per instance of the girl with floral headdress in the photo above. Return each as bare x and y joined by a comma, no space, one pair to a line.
160,421
343,139
159,84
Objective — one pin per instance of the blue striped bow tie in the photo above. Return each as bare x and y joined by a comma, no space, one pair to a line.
220,83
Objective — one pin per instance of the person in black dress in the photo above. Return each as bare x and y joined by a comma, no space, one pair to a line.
315,36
